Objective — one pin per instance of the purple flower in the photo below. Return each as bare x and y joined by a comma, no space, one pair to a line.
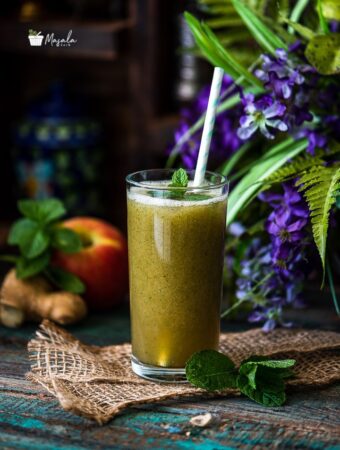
281,74
315,140
272,275
286,225
283,226
260,114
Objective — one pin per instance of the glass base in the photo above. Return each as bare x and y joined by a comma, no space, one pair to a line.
157,373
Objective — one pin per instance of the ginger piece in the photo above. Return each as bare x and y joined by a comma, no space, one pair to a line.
33,300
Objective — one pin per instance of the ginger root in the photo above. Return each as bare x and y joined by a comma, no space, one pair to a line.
34,300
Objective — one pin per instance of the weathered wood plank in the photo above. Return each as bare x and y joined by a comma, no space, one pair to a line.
30,418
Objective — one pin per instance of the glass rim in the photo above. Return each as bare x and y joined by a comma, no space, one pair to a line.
145,185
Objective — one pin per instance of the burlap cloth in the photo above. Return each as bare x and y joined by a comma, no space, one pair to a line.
97,382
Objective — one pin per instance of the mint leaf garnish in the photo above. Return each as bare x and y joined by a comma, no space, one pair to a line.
179,179
259,377
196,197
211,370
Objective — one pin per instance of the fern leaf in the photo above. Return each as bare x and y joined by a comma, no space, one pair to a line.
295,168
320,187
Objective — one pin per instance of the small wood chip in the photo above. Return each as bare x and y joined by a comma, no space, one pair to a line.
202,420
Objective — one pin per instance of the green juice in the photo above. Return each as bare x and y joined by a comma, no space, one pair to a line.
176,252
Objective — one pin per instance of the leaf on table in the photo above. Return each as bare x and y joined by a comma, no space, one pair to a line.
262,379
211,370
267,394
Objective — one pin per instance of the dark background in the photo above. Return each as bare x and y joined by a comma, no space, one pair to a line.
127,71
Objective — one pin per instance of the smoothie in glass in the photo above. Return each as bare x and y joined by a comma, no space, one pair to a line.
176,248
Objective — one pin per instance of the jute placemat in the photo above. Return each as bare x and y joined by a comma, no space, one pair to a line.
97,382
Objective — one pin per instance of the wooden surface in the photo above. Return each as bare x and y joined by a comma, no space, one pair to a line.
31,419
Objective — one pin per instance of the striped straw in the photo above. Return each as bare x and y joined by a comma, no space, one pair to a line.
208,127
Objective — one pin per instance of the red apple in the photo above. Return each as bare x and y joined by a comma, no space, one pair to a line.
102,264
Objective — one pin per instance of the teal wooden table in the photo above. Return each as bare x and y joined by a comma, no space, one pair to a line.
31,419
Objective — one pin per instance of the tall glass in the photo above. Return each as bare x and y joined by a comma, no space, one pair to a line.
176,247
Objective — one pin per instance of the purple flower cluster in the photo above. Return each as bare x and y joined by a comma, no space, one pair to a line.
272,275
286,226
225,140
285,105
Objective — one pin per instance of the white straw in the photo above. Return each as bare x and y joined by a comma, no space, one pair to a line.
208,126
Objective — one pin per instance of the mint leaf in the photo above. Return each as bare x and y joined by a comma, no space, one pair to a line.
21,230
28,235
266,361
262,379
267,394
196,197
66,240
259,377
42,211
179,179
36,246
65,280
211,370
26,268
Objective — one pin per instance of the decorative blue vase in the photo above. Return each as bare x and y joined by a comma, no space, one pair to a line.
58,154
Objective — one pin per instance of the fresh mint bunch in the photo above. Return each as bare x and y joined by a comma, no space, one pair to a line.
258,377
36,235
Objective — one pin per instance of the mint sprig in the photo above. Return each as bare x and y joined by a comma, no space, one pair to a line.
36,235
179,179
258,377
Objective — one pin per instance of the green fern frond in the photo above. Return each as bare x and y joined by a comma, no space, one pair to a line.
295,168
320,187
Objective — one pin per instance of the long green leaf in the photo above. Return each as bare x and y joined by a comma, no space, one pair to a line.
217,54
268,40
320,187
250,185
227,56
322,20
228,166
206,47
332,288
298,9
305,32
222,22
